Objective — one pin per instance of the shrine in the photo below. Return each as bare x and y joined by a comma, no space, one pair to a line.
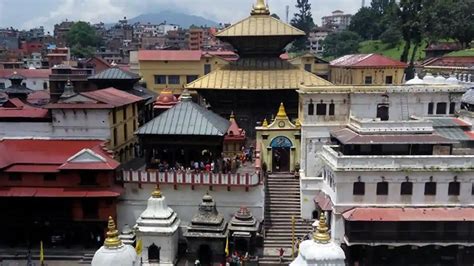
244,231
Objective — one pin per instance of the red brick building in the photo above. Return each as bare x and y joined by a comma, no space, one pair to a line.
60,192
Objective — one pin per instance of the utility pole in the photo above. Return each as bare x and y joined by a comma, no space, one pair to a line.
363,3
287,12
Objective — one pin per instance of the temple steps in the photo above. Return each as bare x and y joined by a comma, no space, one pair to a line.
282,202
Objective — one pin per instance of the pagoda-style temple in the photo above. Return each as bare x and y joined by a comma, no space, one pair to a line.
259,79
185,133
207,234
17,88
244,230
234,139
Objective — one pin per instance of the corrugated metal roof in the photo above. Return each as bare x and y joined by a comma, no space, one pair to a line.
257,73
454,133
366,60
468,97
115,73
347,136
169,55
27,73
409,214
186,118
113,97
260,25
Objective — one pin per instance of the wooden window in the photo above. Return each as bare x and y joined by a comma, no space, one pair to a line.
115,139
160,79
321,109
307,67
430,188
382,188
454,188
191,78
332,109
90,209
389,80
406,188
311,107
174,79
359,188
49,177
114,116
14,177
134,110
472,189
88,178
125,131
124,113
368,80
430,108
441,108
207,69
452,108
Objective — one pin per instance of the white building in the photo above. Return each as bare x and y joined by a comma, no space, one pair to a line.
316,39
35,79
337,21
389,182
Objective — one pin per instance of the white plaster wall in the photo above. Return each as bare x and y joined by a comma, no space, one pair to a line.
81,124
25,129
167,243
185,202
35,84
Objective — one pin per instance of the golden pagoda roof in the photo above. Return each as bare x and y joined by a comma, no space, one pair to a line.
258,74
260,25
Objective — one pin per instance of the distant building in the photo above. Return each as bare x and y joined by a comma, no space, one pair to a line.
60,32
337,21
316,38
311,63
367,69
35,79
441,48
58,56
195,38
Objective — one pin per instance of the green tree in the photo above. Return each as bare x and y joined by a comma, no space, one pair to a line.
363,23
463,21
83,39
342,43
302,20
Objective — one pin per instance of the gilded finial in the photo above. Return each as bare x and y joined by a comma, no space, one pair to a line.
232,116
260,8
298,123
112,240
265,123
322,232
156,193
282,111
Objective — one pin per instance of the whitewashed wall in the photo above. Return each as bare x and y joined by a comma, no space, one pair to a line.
81,123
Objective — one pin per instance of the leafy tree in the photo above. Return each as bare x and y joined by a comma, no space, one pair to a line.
392,37
83,39
363,23
302,20
341,43
462,28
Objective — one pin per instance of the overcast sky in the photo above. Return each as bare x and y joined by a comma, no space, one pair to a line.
26,14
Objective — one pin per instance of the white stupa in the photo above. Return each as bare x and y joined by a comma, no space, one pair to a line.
157,228
415,81
320,251
114,252
429,79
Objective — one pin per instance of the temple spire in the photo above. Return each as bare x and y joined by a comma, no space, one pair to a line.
157,192
232,117
281,111
265,123
112,240
322,232
260,8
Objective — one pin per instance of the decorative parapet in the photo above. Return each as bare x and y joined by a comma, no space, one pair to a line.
245,180
339,162
371,126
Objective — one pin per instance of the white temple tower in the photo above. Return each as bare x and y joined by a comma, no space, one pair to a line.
157,228
320,251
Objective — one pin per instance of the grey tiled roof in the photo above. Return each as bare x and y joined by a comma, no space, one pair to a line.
115,73
186,118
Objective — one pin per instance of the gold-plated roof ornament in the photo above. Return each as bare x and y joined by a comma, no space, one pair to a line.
156,193
298,123
232,116
260,8
265,123
322,232
281,111
112,240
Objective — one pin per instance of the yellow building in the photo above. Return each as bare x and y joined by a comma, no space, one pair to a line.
173,69
279,143
313,64
367,69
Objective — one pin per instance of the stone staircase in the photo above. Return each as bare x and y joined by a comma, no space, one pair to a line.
282,201
87,258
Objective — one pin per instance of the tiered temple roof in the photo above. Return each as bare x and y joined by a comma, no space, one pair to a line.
243,222
207,223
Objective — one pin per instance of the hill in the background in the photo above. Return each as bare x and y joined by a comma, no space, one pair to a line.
378,47
172,17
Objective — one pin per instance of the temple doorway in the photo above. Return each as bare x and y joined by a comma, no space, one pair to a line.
241,245
281,148
383,112
205,255
153,253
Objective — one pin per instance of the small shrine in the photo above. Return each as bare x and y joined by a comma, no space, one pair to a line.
165,101
244,230
114,252
157,228
17,88
207,234
279,143
127,236
234,140
321,250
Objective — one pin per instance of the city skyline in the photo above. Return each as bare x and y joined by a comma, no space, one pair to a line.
49,12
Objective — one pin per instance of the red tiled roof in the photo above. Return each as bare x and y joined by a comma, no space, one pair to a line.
409,214
27,73
452,61
169,55
366,60
27,152
37,168
113,97
323,201
56,193
15,108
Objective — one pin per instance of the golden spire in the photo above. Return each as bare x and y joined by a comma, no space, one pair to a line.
297,123
265,123
260,8
232,117
112,240
321,235
156,193
282,112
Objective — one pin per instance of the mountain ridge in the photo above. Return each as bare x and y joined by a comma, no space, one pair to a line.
172,17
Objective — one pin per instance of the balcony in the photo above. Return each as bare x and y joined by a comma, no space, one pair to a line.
336,160
371,126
